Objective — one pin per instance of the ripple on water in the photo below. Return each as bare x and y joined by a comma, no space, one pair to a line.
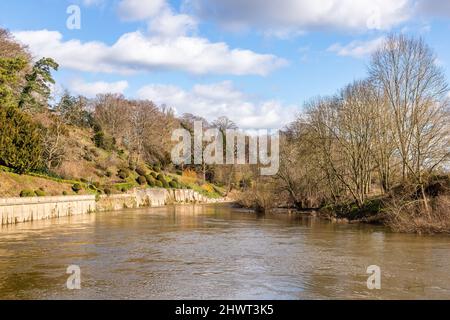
216,253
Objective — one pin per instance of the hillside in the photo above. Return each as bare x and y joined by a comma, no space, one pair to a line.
96,171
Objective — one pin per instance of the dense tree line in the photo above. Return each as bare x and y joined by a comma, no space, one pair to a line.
34,132
388,131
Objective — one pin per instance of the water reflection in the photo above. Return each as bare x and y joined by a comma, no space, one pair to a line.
216,252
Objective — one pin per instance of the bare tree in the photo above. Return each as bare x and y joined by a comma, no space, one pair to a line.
53,143
406,71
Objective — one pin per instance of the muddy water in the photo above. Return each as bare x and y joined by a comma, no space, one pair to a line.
216,252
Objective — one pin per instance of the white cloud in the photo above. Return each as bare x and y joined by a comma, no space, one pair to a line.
160,17
439,8
135,10
169,25
221,99
305,15
90,3
357,49
91,89
135,52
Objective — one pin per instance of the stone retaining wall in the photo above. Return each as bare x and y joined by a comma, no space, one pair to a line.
18,210
151,198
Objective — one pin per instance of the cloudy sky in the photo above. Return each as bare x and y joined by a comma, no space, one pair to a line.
255,61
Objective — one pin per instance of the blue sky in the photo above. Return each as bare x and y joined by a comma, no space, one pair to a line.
255,61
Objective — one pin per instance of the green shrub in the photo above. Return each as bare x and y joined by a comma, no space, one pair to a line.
65,193
27,193
20,140
173,184
163,181
40,193
108,173
158,184
96,184
108,191
77,187
141,180
102,140
165,184
123,174
179,172
154,175
141,171
150,180
157,168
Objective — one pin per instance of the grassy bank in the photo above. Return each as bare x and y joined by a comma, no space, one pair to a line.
405,209
38,184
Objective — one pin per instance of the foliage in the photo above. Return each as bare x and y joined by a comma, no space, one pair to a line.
165,184
141,180
150,180
27,193
173,184
102,140
20,141
37,84
73,111
77,187
141,171
40,193
10,69
123,173
189,173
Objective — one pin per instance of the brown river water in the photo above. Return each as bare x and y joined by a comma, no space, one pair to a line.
217,252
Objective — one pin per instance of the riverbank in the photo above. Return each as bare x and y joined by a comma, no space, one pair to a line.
20,210
403,214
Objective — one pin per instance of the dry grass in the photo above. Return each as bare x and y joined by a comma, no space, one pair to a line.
411,216
84,160
261,198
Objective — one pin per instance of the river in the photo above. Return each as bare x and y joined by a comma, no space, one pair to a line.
216,252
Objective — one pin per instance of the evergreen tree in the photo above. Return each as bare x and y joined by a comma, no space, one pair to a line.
20,141
10,78
73,110
36,92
